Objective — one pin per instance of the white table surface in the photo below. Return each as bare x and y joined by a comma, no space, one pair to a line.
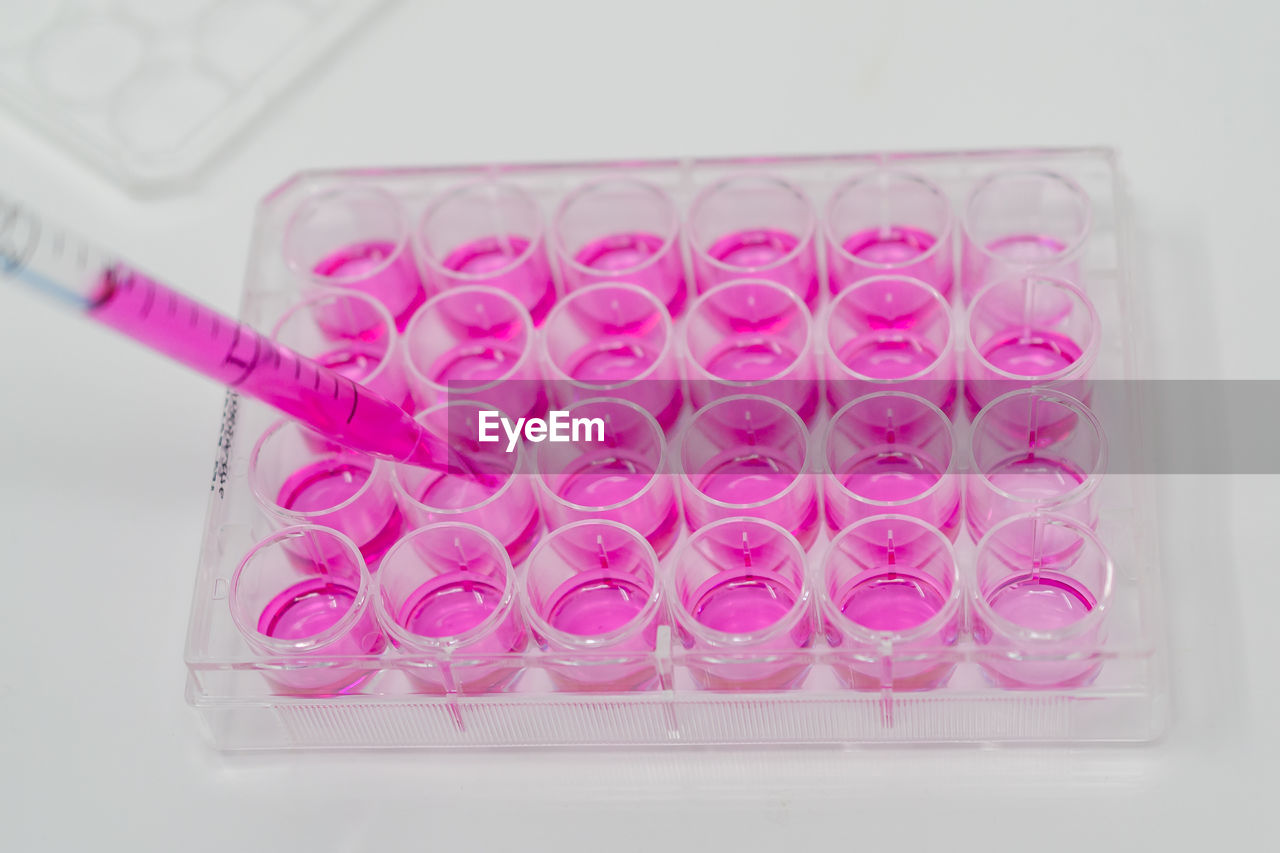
107,450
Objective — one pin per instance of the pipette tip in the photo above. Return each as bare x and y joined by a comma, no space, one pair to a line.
432,452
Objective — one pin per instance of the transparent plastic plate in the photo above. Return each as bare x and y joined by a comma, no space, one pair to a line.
150,90
230,684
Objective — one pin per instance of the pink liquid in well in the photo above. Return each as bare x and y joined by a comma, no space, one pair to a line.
892,245
1027,248
741,602
620,251
890,598
331,482
397,286
1038,477
891,473
758,355
355,261
594,603
487,255
888,354
888,473
475,364
449,605
624,253
1031,352
746,475
1043,602
324,484
757,251
605,479
530,282
609,478
610,360
746,358
753,248
457,490
306,609
751,475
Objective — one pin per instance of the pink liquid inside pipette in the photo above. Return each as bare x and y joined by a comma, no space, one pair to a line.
250,363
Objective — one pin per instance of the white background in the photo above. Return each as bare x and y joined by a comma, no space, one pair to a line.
107,450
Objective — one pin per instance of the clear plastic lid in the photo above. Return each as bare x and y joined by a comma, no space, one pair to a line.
150,90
